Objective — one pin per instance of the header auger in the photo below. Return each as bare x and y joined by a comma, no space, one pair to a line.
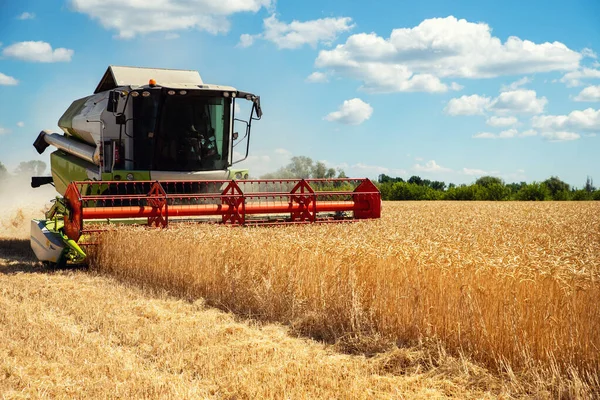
155,146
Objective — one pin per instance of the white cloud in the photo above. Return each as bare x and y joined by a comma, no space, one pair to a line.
4,131
573,78
474,172
519,101
135,17
246,40
484,135
584,120
590,93
560,136
317,77
7,80
430,166
351,112
296,34
589,135
516,84
501,121
171,36
283,152
26,15
467,105
20,124
589,53
506,134
38,52
415,59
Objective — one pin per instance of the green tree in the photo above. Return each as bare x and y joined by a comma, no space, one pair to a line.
301,167
319,170
589,185
330,173
487,181
533,192
30,168
415,179
559,190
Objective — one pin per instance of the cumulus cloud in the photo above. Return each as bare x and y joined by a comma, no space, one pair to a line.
590,93
296,33
514,101
4,131
467,105
506,134
7,80
484,135
417,58
430,166
20,124
574,78
134,17
474,172
519,101
516,84
501,121
351,112
589,53
246,40
26,15
560,136
578,120
37,52
317,77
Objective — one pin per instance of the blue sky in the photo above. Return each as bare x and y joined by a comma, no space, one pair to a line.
445,90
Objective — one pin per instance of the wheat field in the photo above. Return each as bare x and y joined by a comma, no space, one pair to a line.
513,286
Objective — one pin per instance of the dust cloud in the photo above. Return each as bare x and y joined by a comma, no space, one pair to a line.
20,203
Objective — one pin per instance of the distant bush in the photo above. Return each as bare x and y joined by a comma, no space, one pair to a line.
581,195
533,192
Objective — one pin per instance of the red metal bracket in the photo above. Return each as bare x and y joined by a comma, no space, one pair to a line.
303,195
235,210
157,199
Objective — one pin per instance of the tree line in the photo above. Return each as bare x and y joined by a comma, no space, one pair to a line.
488,188
24,169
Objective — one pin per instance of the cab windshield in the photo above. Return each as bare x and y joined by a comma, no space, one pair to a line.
192,134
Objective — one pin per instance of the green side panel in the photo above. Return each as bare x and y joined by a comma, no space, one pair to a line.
66,169
121,175
66,121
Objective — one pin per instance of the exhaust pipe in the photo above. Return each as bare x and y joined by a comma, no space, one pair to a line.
80,150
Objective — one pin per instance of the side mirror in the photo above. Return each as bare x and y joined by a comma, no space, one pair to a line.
257,107
235,136
113,101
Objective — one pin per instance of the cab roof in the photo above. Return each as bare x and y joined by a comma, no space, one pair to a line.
119,76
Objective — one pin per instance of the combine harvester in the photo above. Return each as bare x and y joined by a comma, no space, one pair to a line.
154,146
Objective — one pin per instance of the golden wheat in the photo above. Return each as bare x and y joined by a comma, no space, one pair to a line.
71,334
513,285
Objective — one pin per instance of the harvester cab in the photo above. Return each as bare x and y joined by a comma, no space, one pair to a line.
157,144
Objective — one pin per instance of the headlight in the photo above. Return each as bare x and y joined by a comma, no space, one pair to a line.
145,94
171,92
129,177
225,94
238,175
182,92
135,94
